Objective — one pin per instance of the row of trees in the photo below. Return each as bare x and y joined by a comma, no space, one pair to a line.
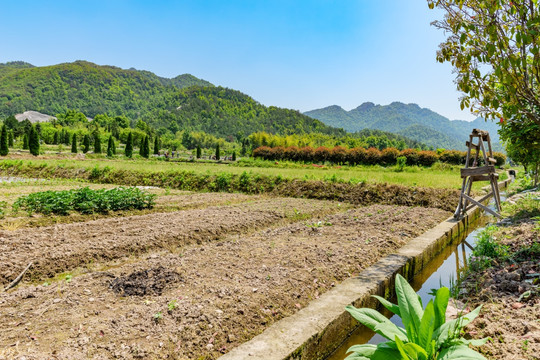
371,156
30,141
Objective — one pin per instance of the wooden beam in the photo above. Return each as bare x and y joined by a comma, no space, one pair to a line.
484,177
469,145
482,206
483,170
492,160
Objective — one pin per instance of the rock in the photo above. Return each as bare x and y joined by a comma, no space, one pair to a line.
517,305
231,338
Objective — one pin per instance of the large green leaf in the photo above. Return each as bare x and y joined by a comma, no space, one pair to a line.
361,352
387,304
450,329
427,326
401,348
390,331
459,352
409,307
385,352
441,303
365,316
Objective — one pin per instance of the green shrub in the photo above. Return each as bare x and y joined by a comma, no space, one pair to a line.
500,157
401,162
427,334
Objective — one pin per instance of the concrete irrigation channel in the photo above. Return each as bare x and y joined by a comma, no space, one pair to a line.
316,331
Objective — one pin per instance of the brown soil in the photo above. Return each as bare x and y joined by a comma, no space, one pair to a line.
64,247
509,317
205,298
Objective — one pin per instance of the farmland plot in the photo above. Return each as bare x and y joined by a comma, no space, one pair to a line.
188,284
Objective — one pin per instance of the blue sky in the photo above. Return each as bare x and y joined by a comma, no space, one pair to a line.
296,54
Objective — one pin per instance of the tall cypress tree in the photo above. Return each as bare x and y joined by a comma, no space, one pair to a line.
33,141
234,156
97,143
198,151
74,144
4,149
25,141
10,138
129,145
55,138
146,147
86,143
156,146
141,146
217,152
110,145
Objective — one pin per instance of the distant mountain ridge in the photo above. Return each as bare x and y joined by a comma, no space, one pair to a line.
410,120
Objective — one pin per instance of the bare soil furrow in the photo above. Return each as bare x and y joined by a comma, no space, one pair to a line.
63,247
206,299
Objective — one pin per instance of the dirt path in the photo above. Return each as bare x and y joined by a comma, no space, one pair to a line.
204,299
64,247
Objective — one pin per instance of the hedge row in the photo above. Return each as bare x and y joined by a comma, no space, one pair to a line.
371,156
247,182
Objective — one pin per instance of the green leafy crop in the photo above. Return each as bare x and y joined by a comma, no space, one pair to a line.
85,200
426,336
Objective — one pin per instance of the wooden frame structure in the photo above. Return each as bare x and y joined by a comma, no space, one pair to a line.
471,172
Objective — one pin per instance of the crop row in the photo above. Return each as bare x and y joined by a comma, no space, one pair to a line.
361,156
85,201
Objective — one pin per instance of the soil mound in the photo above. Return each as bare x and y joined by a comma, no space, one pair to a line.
145,282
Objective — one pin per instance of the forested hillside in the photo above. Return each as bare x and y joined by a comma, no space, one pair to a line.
410,120
87,87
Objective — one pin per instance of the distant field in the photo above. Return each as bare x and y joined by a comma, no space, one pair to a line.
436,177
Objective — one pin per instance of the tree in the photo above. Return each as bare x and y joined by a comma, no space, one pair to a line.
110,147
217,152
522,142
33,141
234,156
55,138
145,148
129,145
495,49
141,146
97,143
10,138
4,149
25,142
156,146
74,144
198,152
86,143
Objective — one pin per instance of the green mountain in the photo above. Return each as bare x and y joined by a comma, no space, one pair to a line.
226,112
183,102
409,120
84,86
